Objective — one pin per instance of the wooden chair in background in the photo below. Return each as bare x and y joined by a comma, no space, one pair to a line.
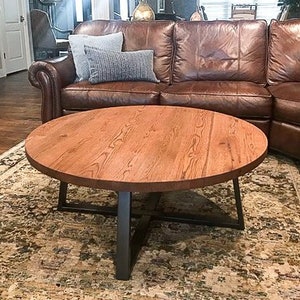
45,43
243,11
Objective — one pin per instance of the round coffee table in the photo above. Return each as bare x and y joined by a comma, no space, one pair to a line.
145,149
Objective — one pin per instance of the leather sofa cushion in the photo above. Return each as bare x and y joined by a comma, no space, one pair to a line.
84,96
286,102
220,50
241,99
284,53
153,35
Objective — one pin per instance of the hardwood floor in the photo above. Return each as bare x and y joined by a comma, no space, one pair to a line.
20,105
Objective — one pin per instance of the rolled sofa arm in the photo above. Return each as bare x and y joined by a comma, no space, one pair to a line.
50,76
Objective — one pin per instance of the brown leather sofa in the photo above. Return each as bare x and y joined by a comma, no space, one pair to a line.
283,79
226,66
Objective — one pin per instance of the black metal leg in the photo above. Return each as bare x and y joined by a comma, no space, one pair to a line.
141,229
238,203
127,248
62,198
123,257
129,245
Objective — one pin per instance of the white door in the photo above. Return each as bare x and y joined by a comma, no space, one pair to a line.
14,36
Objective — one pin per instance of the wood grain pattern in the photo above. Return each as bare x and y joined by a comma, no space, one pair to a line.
20,109
146,148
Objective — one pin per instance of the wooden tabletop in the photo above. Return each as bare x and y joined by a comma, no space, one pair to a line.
146,148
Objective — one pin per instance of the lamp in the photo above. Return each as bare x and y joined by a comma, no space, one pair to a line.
143,12
197,15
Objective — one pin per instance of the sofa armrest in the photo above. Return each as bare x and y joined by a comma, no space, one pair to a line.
50,76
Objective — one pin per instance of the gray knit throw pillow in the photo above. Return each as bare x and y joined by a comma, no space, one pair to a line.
112,42
120,66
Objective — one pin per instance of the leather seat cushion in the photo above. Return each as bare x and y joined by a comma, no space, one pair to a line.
83,95
240,99
286,102
285,138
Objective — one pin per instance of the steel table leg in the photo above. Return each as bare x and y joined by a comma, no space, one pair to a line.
62,198
128,245
238,203
123,257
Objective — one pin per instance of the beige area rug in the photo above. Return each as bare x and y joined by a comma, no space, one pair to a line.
46,254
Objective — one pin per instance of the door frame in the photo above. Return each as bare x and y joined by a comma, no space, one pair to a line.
28,47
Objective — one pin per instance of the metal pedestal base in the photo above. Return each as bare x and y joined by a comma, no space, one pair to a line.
128,245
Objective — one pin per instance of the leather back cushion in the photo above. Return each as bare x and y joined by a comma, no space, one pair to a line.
154,35
220,50
284,51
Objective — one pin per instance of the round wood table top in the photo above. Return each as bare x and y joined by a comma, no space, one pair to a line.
146,148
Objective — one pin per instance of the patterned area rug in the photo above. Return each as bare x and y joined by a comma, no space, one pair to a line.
47,254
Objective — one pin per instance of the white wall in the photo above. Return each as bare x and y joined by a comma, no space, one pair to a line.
2,70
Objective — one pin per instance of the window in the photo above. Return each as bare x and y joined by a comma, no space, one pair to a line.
83,10
79,11
218,9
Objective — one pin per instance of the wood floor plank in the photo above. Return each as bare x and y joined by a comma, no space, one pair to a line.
20,109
